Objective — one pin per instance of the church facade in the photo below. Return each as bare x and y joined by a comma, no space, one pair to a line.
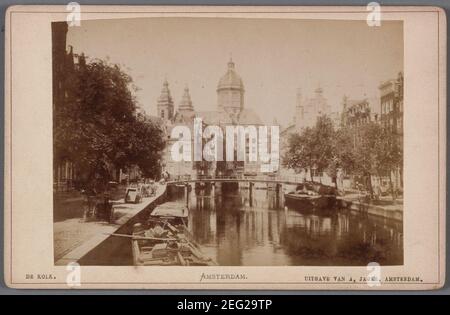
307,111
230,110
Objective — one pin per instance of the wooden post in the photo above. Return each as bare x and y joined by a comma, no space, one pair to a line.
186,194
250,193
277,195
212,204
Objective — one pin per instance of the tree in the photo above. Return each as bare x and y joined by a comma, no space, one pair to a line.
368,137
363,151
299,155
377,152
313,148
344,150
343,157
98,127
146,146
389,156
323,147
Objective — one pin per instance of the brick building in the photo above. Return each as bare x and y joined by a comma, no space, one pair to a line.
64,62
391,116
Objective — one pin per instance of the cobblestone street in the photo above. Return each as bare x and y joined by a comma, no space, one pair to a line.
73,237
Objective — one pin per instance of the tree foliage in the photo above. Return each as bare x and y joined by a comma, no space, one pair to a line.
366,140
313,148
98,127
362,151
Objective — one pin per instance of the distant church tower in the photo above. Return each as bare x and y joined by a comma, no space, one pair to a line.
165,103
299,108
230,91
185,108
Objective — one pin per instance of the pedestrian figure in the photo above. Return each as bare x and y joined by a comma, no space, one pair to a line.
90,196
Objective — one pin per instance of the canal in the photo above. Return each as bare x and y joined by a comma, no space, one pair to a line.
237,231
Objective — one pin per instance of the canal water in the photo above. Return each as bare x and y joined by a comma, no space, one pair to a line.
237,230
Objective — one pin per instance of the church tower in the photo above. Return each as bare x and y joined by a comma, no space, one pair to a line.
185,108
321,103
165,103
230,91
299,109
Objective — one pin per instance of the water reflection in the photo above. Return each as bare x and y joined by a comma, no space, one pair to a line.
238,230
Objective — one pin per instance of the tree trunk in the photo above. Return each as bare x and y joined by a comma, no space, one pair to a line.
310,175
369,178
391,186
401,176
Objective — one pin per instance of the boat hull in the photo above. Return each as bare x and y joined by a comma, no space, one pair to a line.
304,202
164,240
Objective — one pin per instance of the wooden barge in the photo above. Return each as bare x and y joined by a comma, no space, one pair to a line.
311,196
164,239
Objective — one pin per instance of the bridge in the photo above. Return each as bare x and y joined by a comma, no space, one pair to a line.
187,179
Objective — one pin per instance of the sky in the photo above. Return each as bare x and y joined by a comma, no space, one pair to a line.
274,57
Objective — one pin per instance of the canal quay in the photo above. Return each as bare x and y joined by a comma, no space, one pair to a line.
242,225
75,238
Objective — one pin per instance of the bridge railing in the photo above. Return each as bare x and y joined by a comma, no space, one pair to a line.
274,178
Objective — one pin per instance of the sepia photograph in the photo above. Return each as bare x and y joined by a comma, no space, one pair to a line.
225,147
201,142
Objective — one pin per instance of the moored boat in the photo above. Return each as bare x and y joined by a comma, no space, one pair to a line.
165,240
311,196
172,212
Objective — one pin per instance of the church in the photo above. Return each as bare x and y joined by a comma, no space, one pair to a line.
230,110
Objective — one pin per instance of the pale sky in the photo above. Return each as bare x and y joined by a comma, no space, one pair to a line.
274,57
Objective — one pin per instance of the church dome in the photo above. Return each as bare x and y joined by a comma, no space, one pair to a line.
231,80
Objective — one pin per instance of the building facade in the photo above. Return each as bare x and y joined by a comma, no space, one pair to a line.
64,63
391,117
230,111
391,102
169,119
355,113
307,111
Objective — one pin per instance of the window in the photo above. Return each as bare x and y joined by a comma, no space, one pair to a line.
162,114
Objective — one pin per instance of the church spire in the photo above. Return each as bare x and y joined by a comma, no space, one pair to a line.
165,102
299,97
231,63
165,93
319,90
186,102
